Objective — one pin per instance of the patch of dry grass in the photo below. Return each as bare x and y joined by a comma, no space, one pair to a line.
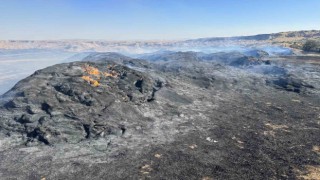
207,178
311,173
146,169
276,127
316,149
273,128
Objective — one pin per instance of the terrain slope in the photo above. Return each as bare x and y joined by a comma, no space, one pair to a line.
173,115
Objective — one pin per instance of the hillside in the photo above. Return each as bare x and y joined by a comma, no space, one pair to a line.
172,115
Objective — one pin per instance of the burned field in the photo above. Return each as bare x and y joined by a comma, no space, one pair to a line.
173,115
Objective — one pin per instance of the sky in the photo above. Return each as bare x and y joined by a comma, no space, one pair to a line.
152,19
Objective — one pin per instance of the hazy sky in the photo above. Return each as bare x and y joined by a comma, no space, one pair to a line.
152,19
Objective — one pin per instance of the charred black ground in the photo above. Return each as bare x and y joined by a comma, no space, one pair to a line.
171,115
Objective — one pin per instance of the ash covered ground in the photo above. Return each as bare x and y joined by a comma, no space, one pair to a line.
166,115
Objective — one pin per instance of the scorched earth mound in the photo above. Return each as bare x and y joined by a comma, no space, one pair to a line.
174,115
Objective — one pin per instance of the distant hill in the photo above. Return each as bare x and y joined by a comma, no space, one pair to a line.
293,39
290,35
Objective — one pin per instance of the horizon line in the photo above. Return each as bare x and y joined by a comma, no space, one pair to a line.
156,40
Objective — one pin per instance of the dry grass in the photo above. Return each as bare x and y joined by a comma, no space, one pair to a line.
269,133
316,149
193,146
158,156
240,143
276,127
273,128
311,173
146,169
207,178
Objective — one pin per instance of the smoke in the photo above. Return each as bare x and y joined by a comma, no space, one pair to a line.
268,70
271,50
18,64
276,50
